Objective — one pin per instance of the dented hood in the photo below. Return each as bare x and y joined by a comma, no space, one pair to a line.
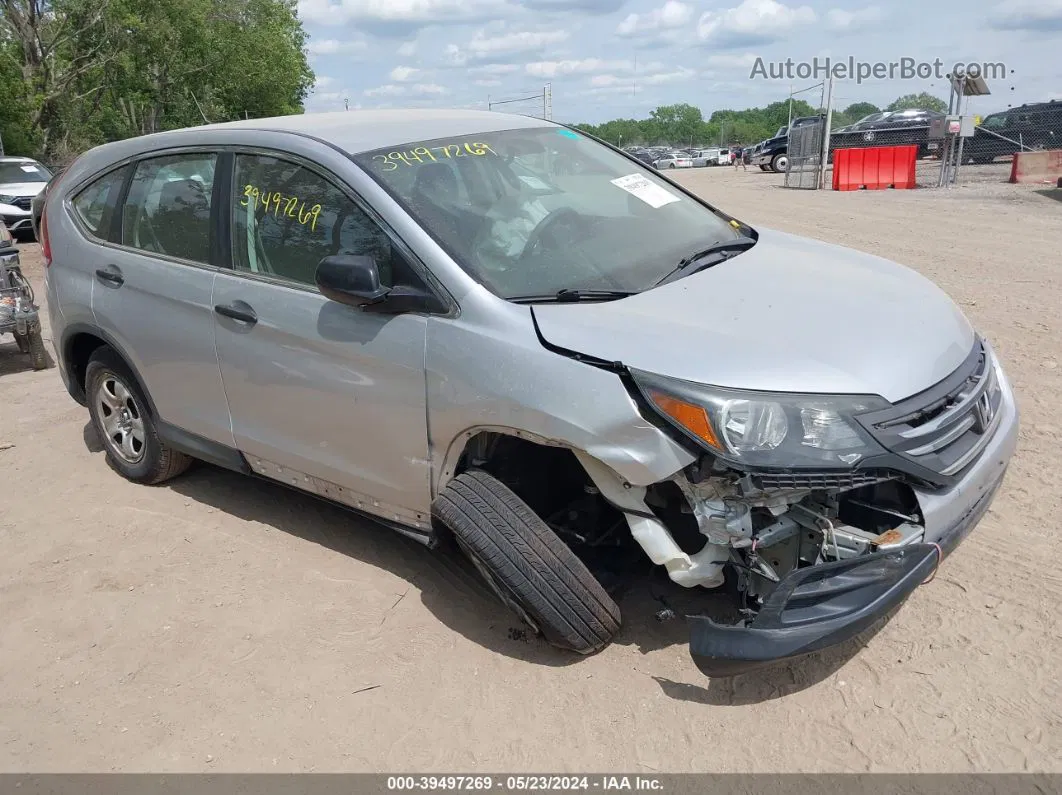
790,314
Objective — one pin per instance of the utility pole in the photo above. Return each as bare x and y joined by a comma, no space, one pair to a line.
826,133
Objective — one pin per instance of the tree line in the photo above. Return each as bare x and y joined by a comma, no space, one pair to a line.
77,73
684,124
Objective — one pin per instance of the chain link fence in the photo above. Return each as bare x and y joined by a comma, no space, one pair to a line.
945,158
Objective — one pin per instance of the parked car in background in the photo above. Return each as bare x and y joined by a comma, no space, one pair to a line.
889,128
674,160
564,375
773,154
1032,126
21,178
707,157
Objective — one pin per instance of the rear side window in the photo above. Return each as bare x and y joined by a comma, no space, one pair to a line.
168,207
94,204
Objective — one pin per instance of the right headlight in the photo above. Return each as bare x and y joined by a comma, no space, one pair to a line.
5,199
766,429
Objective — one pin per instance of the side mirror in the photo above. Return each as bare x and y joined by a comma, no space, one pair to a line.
354,280
350,279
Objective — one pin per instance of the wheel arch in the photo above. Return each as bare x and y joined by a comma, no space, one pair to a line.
79,342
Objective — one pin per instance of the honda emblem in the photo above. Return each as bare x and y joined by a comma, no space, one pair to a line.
983,413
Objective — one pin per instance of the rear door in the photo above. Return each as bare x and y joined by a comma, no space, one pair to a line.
322,395
151,291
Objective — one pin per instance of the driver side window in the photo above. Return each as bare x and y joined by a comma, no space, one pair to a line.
287,218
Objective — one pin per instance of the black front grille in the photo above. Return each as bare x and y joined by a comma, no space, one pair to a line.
23,202
819,480
945,428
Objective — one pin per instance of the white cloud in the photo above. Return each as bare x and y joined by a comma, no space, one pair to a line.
389,90
395,90
489,83
426,89
840,20
403,74
335,47
552,69
731,61
495,69
754,21
672,14
340,12
322,81
653,79
408,49
1035,15
483,45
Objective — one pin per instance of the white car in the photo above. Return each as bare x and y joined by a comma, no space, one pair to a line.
20,180
675,160
707,157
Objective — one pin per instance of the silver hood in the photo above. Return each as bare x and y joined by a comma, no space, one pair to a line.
21,189
791,314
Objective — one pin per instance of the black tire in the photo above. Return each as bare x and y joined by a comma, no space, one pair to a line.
670,165
35,348
779,162
532,570
765,168
156,462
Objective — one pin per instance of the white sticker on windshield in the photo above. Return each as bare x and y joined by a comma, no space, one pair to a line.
640,187
30,169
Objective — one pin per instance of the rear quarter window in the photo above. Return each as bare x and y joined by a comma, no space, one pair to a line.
95,204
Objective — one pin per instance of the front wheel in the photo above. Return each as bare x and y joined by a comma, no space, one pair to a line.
119,412
779,163
527,566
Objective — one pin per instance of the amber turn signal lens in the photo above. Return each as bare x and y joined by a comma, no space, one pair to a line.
691,417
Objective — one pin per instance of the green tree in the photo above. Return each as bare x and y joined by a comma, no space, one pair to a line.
857,110
923,101
99,70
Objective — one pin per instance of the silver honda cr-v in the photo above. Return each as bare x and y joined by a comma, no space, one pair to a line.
496,331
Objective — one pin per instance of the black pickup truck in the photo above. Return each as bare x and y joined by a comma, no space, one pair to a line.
1032,126
885,128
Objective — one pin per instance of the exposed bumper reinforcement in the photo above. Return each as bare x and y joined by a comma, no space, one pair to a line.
821,606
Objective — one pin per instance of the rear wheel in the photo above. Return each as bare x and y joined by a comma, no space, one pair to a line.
119,412
527,566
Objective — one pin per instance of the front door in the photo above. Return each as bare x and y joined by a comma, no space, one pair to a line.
324,396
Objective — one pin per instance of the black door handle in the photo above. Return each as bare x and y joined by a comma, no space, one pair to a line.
236,313
112,275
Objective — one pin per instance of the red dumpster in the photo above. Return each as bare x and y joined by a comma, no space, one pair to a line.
874,168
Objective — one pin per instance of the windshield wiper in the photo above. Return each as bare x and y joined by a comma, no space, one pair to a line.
719,251
568,295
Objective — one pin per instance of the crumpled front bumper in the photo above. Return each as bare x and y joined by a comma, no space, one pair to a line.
821,606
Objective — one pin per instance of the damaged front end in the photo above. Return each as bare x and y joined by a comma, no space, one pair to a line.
804,503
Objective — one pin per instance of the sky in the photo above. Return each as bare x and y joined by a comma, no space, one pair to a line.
606,59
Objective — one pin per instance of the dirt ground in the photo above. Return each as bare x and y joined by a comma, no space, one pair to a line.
218,623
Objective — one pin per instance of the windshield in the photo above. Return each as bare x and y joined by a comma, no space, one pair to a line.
25,171
997,121
535,211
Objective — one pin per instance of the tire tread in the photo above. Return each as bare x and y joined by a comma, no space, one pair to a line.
572,608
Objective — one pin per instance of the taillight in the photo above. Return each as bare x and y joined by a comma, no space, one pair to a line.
46,249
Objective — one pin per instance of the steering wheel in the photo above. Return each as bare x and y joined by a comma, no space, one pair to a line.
547,228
